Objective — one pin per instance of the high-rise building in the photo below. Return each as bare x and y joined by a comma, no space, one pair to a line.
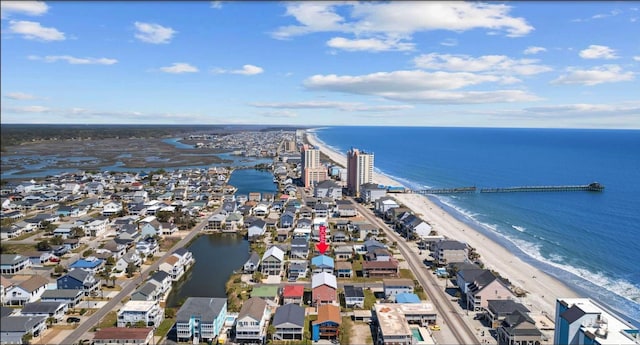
359,170
582,321
312,171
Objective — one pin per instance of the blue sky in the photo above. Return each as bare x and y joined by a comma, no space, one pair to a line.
496,64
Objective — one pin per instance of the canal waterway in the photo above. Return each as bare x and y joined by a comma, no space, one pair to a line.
218,255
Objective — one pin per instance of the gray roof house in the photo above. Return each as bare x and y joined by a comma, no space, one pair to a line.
252,263
13,328
289,322
210,314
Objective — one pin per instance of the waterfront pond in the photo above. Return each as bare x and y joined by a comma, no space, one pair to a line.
252,180
217,256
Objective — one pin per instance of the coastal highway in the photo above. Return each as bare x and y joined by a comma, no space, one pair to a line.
128,287
449,318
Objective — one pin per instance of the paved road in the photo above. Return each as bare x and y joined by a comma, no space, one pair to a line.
127,289
454,327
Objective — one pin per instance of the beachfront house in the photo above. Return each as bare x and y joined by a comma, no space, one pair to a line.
201,318
519,328
448,251
486,287
371,192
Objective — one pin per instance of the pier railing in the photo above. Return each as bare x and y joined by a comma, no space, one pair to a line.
592,187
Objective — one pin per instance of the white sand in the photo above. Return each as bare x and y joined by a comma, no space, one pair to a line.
543,289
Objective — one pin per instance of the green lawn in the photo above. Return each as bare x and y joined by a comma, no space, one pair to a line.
164,327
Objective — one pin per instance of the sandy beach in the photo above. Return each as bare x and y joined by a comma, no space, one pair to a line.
542,288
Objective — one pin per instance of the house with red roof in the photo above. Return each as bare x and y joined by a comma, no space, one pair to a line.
293,294
324,289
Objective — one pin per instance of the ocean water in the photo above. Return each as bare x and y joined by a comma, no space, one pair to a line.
588,240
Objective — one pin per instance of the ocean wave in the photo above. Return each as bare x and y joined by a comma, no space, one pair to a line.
617,286
519,228
466,213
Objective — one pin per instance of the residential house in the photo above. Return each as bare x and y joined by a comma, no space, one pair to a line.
381,268
292,294
346,209
267,293
327,325
392,287
261,210
384,204
371,192
234,222
151,229
149,291
486,287
201,318
344,269
70,297
298,269
147,312
126,336
55,310
37,258
353,296
323,288
328,188
288,321
448,251
498,310
130,257
89,264
163,280
251,324
322,263
116,249
29,290
172,266
256,228
216,221
272,261
287,219
299,248
252,263
111,208
14,328
79,279
519,328
343,252
168,229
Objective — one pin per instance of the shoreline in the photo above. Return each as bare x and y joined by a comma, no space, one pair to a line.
543,289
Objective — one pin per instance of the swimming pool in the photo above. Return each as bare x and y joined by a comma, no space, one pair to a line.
416,334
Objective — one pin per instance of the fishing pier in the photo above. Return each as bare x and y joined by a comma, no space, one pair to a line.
592,187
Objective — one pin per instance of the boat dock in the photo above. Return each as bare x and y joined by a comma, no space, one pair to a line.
592,187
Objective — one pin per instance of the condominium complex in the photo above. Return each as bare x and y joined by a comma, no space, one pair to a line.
312,171
582,321
359,170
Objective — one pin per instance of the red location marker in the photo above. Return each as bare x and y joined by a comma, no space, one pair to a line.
322,246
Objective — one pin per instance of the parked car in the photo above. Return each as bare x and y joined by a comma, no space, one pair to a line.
54,259
73,319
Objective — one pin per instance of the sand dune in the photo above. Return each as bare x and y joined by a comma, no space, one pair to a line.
543,289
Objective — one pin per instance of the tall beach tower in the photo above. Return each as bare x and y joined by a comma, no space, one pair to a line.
359,170
312,170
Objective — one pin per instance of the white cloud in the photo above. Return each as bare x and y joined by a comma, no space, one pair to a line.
344,106
449,42
34,31
585,109
598,52
246,70
636,58
30,8
153,33
369,44
21,96
400,19
74,60
280,114
594,76
27,109
485,63
534,50
179,67
216,4
419,86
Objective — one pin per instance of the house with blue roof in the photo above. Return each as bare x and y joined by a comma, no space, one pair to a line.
322,263
89,264
406,297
